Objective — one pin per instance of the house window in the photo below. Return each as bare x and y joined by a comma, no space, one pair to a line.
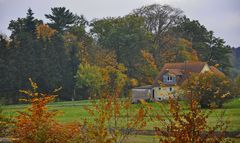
159,88
169,78
170,89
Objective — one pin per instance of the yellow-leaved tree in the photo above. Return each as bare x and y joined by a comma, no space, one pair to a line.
44,32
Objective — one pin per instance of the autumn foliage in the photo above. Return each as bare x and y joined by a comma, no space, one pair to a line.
113,120
44,31
149,69
190,126
37,124
209,89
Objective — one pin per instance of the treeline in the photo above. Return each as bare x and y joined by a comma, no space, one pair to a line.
70,51
235,58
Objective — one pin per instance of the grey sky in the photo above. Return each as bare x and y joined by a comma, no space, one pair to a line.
221,16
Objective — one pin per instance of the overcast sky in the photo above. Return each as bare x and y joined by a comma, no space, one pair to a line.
221,16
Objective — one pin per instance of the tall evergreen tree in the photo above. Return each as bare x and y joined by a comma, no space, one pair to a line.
61,18
3,64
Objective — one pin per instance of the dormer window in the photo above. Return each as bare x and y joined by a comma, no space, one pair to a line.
169,78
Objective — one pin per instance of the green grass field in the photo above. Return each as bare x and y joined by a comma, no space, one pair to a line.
74,111
154,139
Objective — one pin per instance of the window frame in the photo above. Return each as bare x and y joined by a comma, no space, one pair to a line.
169,78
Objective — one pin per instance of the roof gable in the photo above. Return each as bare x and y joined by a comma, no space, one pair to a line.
180,69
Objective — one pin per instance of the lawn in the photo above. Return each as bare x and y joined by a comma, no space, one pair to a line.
154,139
74,111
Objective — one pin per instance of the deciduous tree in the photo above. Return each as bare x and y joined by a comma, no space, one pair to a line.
90,77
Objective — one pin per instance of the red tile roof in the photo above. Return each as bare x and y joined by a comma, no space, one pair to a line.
180,69
175,71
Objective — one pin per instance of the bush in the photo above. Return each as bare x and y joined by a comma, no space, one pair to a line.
113,120
209,89
38,125
189,126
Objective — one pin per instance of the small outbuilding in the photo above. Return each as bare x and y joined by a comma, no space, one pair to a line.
142,92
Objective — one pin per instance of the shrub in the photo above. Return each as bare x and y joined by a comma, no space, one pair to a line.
208,88
189,126
114,120
38,125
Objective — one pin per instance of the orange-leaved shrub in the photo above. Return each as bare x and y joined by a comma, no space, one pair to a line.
38,125
191,125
